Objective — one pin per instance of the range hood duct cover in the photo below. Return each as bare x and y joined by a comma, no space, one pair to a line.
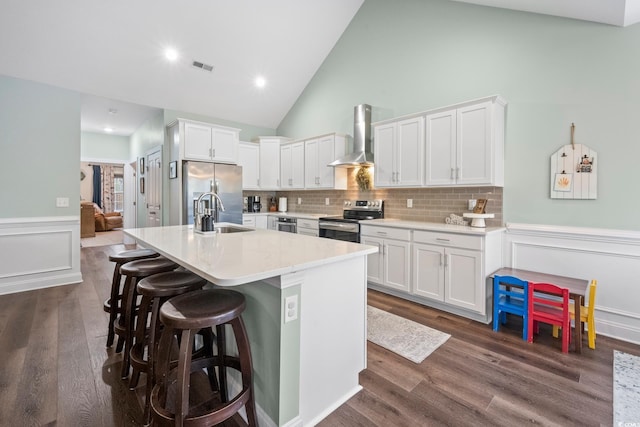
362,154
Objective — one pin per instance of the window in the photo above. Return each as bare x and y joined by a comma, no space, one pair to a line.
118,193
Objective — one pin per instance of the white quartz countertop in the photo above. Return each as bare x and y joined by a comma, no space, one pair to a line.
431,226
229,259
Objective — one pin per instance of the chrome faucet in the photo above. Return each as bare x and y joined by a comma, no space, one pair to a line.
200,213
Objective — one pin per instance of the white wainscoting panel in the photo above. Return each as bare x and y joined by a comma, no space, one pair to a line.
612,257
39,253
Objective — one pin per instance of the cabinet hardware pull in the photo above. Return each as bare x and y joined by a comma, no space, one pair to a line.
457,173
440,239
382,233
213,151
451,176
441,259
446,260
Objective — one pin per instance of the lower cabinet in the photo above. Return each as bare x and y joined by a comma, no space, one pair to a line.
254,221
308,227
272,222
440,269
448,275
389,267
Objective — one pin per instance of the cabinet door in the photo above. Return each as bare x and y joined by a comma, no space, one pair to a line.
441,148
375,266
396,264
197,141
261,221
428,271
285,167
409,152
297,165
384,137
248,158
474,145
311,177
249,221
463,284
326,155
270,165
224,145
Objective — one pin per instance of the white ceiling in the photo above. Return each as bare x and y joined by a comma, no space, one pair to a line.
113,50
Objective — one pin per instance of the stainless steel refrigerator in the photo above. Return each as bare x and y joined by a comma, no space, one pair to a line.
224,180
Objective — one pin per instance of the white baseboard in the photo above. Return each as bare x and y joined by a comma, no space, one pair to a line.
39,253
612,257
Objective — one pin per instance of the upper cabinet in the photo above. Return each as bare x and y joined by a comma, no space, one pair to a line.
292,166
270,161
249,159
209,142
465,144
398,153
318,153
459,145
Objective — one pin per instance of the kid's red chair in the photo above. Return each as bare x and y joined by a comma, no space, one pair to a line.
549,303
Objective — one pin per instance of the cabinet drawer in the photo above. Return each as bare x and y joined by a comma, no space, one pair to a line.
448,239
308,223
386,232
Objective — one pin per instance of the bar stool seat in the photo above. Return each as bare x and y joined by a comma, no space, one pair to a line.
185,315
113,305
155,290
135,271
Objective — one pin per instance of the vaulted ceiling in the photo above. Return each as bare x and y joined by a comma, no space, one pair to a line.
113,51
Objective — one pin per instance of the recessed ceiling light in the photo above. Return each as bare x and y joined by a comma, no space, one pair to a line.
260,82
171,54
113,111
108,130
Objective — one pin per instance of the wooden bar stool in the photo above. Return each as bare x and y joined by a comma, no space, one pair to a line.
113,304
155,290
175,400
135,271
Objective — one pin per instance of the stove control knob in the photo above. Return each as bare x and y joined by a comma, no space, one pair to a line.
369,203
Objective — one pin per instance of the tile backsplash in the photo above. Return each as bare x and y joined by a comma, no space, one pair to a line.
429,204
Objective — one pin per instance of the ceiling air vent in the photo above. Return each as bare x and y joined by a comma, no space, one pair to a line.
202,66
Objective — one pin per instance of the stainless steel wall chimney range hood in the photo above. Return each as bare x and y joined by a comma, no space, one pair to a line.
362,154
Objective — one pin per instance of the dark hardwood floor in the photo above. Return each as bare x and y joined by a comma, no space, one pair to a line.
56,371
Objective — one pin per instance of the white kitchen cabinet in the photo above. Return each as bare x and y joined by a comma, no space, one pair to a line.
449,268
272,222
465,144
270,162
249,159
318,153
208,142
308,227
254,221
292,166
398,153
249,220
390,266
261,221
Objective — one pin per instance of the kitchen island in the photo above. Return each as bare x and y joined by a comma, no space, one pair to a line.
305,316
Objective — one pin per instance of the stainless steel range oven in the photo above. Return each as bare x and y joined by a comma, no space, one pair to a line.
347,226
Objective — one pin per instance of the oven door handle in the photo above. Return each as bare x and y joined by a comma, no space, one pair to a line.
338,227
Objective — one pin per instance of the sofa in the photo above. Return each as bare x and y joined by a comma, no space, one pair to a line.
106,221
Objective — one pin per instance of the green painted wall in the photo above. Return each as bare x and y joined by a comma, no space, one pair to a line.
39,148
100,146
406,56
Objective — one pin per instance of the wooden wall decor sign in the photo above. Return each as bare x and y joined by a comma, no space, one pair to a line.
574,172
